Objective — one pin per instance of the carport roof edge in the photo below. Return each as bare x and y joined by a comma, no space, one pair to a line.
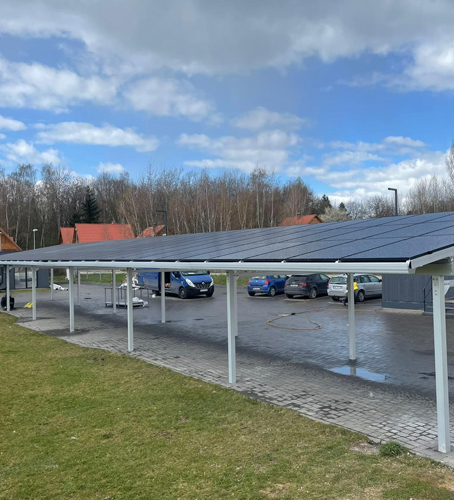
388,245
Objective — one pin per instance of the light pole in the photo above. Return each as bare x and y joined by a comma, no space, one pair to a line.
395,200
34,238
165,218
0,241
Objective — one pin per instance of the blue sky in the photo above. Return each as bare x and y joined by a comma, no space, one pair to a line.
352,96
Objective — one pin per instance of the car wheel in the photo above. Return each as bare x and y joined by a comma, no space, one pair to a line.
336,299
313,293
360,296
289,296
272,291
182,293
251,294
210,293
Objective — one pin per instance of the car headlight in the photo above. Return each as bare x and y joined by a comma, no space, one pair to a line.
212,283
189,282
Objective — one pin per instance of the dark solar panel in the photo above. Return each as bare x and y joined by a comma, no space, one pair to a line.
387,239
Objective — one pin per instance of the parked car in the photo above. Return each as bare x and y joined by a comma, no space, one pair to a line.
307,285
271,285
368,286
182,283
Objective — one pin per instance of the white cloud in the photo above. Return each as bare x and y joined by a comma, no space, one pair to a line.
260,118
403,141
36,86
268,150
86,133
11,124
170,97
202,36
110,168
2,136
25,152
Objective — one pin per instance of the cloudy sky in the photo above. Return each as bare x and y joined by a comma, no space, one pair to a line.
354,96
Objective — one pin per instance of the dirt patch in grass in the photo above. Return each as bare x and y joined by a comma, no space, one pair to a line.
87,424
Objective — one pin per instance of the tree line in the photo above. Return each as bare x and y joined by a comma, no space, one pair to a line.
52,197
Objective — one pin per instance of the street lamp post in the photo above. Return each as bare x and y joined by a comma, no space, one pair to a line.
34,238
395,200
165,218
0,241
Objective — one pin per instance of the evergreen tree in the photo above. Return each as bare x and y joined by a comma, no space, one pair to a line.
322,204
90,209
342,206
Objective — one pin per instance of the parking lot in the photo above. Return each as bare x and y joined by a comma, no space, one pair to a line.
290,352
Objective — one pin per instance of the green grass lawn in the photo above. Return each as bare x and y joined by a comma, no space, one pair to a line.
86,424
219,279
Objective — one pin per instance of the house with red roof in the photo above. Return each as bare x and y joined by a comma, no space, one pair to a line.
152,231
299,220
7,243
89,233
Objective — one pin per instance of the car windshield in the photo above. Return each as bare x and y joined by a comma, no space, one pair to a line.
259,278
195,273
342,280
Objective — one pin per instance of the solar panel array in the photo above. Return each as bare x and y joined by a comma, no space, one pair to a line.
390,239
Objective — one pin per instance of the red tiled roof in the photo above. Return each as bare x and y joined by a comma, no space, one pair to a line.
87,233
8,244
152,231
66,235
301,219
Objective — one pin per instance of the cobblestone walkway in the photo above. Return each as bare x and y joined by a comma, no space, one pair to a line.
381,412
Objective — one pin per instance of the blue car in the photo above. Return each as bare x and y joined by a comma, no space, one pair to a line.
182,283
271,285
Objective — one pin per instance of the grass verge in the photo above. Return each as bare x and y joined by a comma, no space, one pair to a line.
86,424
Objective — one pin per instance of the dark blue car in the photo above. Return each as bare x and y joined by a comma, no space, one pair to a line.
271,285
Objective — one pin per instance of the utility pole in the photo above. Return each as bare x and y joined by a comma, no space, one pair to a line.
165,219
395,200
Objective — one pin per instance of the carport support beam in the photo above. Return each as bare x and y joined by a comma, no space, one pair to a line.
130,312
78,287
163,297
71,300
51,283
33,292
8,289
351,319
232,325
441,363
114,291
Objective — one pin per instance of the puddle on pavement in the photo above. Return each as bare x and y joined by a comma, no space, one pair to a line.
359,372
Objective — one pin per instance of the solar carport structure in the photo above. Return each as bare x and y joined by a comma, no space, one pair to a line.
421,244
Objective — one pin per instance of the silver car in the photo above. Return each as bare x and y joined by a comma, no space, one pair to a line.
368,286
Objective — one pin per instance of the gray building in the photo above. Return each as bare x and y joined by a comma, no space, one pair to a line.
21,277
410,291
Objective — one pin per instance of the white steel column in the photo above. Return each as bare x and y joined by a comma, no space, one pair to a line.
130,313
71,300
52,283
8,289
232,325
163,298
351,319
441,363
78,287
33,292
114,291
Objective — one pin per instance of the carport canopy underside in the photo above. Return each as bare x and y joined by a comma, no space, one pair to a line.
397,245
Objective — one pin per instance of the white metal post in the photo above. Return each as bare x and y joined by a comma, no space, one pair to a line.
130,313
351,318
78,287
232,322
114,291
33,293
163,298
8,289
441,363
52,283
235,303
71,300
